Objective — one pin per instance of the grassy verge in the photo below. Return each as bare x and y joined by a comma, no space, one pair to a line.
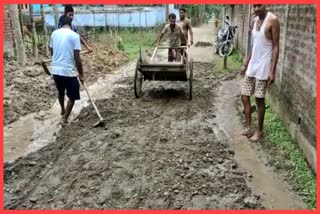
131,42
234,62
127,40
286,155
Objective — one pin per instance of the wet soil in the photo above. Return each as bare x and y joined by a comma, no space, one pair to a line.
157,152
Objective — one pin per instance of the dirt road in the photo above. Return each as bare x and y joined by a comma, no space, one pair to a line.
161,151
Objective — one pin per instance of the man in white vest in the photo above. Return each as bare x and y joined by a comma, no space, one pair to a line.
260,67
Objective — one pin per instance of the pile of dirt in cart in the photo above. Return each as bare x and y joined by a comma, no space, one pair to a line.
28,89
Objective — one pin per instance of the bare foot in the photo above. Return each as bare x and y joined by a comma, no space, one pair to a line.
246,132
256,137
64,122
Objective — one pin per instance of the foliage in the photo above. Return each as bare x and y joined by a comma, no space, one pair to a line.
197,10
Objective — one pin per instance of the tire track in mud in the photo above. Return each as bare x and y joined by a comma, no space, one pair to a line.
156,152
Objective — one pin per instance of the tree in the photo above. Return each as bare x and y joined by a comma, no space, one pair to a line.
216,10
56,14
21,20
197,11
45,30
17,35
167,11
34,33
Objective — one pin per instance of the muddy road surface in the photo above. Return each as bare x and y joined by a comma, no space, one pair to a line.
156,152
160,151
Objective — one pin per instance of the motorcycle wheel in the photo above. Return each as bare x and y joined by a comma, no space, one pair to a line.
226,49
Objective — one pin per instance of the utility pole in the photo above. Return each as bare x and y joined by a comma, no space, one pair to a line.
167,12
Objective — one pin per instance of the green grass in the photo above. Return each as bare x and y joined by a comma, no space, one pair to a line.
127,40
131,41
234,62
288,156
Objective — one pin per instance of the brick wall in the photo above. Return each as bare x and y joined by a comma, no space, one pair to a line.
7,32
293,96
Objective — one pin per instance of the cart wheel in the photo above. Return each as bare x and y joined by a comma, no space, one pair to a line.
190,78
138,79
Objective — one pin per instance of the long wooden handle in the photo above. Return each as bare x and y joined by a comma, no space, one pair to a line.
49,60
94,105
154,53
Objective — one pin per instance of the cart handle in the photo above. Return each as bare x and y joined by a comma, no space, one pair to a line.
154,53
188,50
166,47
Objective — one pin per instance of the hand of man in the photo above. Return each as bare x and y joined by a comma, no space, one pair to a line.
90,49
81,78
191,42
174,53
243,70
271,79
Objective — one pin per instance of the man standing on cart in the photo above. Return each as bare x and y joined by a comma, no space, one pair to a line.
175,34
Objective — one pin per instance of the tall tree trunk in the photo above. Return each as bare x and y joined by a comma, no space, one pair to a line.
34,33
202,13
45,30
21,20
94,26
56,14
21,55
140,21
167,12
35,41
31,13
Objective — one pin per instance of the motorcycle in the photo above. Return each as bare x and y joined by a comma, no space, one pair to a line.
224,41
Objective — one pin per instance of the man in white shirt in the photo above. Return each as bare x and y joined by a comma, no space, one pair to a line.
260,66
65,51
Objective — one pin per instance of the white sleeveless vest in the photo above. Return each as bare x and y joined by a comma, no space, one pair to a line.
260,63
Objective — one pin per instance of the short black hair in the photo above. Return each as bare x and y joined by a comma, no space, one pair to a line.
65,20
68,8
182,9
172,15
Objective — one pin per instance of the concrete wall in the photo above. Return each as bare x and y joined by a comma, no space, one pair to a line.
135,17
129,17
108,15
293,96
